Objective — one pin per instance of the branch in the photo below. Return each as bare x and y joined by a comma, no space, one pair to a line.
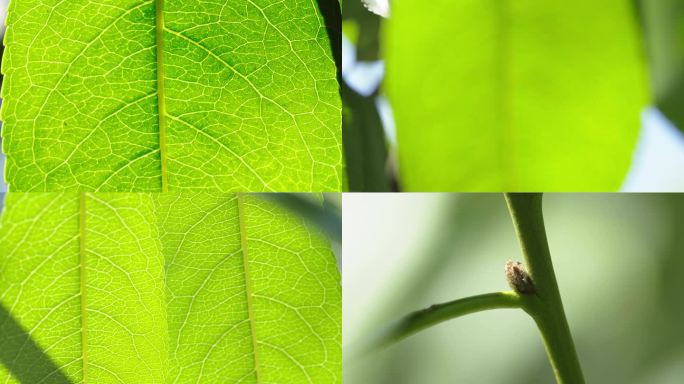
545,305
437,313
535,291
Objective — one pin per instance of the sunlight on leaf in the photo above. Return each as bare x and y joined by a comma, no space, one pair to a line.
145,288
515,95
149,95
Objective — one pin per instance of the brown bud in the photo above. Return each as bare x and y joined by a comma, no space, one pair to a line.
518,278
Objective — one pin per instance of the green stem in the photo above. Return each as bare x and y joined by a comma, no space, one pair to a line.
438,313
545,307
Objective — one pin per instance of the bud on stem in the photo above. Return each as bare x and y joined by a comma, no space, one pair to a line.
518,278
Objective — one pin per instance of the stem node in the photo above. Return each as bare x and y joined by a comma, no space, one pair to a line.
546,308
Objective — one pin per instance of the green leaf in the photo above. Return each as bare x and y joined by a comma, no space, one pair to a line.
364,143
145,288
515,95
321,213
664,36
149,95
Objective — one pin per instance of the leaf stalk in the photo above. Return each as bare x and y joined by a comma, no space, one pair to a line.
437,313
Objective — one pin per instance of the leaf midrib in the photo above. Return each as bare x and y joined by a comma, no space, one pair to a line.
82,288
248,282
82,278
161,104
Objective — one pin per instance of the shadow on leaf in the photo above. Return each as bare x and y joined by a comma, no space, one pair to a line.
322,216
26,361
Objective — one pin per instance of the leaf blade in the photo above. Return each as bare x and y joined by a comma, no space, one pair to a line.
520,96
162,282
72,299
243,98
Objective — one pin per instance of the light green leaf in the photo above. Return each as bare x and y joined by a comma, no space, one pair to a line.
91,296
149,95
504,95
171,288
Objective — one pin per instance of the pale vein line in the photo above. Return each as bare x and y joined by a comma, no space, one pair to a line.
161,103
222,145
229,66
82,254
92,132
112,373
190,230
75,58
211,349
249,82
194,296
248,282
291,358
143,156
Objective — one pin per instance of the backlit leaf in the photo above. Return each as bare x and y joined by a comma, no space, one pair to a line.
501,95
149,95
171,288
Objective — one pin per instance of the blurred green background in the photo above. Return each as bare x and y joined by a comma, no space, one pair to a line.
619,259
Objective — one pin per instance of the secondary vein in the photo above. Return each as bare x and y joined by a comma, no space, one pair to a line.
82,271
161,104
248,281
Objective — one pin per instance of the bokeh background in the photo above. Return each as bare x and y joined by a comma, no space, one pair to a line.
619,259
658,158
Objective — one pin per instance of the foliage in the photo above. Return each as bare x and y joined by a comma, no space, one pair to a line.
177,287
512,96
150,95
515,96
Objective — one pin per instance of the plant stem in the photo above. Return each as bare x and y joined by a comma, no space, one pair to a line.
545,307
437,313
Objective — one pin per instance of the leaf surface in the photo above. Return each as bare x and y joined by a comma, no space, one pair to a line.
171,288
149,95
515,95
